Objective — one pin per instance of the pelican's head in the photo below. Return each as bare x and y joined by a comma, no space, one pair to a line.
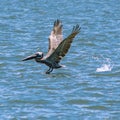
37,56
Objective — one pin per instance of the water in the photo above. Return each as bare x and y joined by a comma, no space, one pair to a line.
88,88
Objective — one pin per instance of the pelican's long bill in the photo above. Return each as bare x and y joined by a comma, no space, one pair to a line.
29,57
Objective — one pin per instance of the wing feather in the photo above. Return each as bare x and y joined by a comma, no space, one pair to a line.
64,46
55,37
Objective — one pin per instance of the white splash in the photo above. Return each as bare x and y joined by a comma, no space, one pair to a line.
104,68
106,65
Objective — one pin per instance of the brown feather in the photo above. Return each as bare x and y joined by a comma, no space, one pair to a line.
55,37
64,46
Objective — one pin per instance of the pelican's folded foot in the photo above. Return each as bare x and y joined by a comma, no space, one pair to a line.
47,72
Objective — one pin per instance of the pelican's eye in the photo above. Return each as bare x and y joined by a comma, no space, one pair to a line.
39,55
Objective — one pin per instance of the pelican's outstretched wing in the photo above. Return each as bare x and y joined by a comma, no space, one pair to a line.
55,37
64,46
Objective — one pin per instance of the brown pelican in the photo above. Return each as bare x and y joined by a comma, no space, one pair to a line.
57,47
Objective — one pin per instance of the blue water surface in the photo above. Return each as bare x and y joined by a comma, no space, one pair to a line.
88,88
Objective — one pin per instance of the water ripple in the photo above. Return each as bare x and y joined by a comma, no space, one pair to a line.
88,87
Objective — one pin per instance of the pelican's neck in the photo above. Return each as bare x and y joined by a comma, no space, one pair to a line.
37,59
